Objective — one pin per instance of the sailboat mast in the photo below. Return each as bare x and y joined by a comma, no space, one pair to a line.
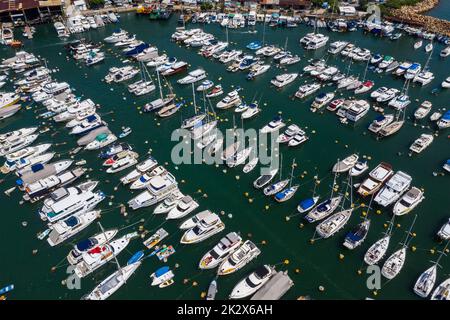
292,172
159,84
409,231
193,98
107,241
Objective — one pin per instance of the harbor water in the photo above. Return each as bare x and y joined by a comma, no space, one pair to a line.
284,243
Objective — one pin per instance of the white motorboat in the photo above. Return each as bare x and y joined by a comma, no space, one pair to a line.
322,99
159,188
9,137
122,164
192,222
117,36
169,203
423,110
232,99
418,44
297,140
250,165
289,60
289,134
408,201
445,52
357,110
83,246
252,283
28,152
413,71
388,95
276,124
205,85
446,83
307,89
284,79
337,46
239,258
444,232
100,255
444,121
67,228
346,164
193,76
400,102
265,178
221,251
17,144
377,177
102,140
204,229
424,77
421,143
216,91
145,179
394,188
359,168
429,47
239,158
252,110
185,206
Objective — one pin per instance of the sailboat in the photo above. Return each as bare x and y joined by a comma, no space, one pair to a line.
162,101
192,121
394,264
365,85
377,250
307,204
115,281
427,279
289,192
143,86
394,126
358,234
425,76
338,220
278,186
325,208
203,128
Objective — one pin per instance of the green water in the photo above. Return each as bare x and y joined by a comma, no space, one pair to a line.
442,10
319,263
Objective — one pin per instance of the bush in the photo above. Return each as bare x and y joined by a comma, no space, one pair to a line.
96,3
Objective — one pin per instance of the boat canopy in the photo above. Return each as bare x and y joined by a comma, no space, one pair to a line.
307,203
161,271
86,244
71,221
37,167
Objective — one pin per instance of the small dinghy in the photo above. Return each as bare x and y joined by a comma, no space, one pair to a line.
212,290
126,131
346,164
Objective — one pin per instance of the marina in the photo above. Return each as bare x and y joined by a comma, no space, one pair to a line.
153,204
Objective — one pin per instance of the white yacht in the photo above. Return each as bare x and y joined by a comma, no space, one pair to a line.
321,100
337,46
145,179
192,221
100,255
239,258
317,41
446,83
381,122
276,124
283,79
193,76
145,166
123,163
377,177
408,201
291,131
75,255
444,232
70,201
424,77
221,251
102,140
388,95
394,188
444,121
67,228
159,188
307,89
169,203
358,110
423,110
400,102
205,228
421,143
185,206
346,164
232,99
17,144
252,283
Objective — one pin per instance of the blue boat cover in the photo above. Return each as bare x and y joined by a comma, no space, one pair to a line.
136,257
91,118
19,182
307,203
37,167
161,271
71,221
280,195
86,244
446,116
448,161
380,118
